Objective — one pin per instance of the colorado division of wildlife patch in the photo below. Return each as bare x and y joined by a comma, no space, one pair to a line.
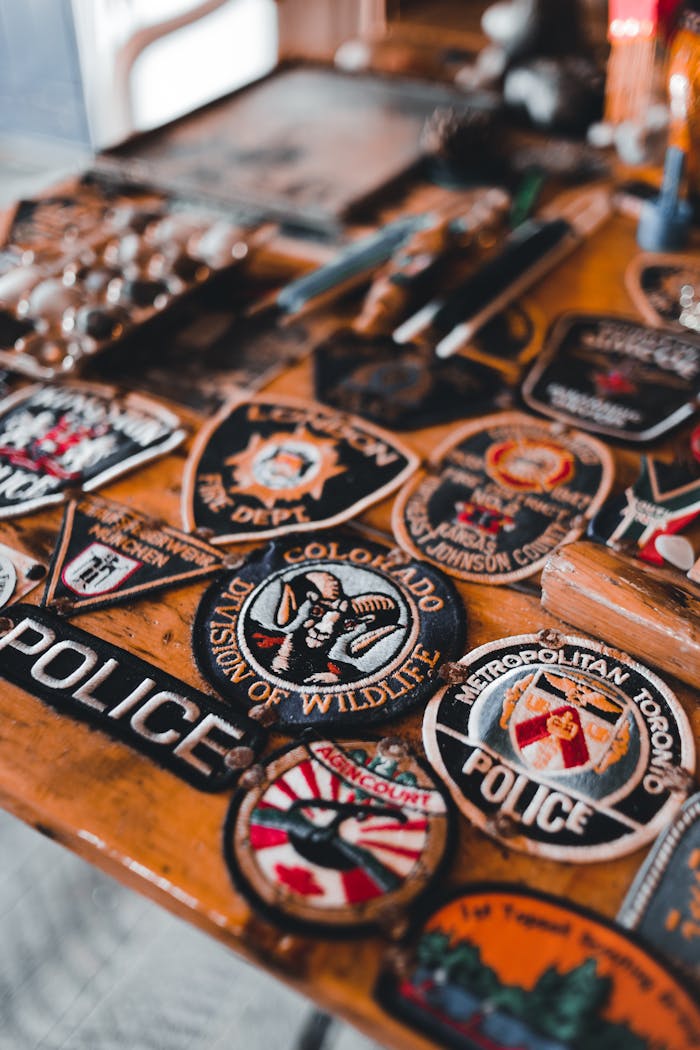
57,437
262,468
614,376
663,902
504,492
564,748
108,553
333,631
498,968
336,838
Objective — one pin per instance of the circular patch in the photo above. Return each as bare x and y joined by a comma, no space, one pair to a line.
8,580
329,632
337,837
497,967
504,492
574,752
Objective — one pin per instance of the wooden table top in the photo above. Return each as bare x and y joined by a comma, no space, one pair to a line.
120,811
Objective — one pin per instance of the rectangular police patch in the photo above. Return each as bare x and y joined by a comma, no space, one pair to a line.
181,728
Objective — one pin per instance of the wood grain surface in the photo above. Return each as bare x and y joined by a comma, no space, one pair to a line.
160,836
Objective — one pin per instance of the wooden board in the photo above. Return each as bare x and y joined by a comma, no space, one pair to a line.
163,838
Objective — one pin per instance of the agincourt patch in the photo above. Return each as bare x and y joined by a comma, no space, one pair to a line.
403,387
181,728
614,376
336,837
498,968
108,553
80,436
502,494
19,574
572,753
663,902
664,499
330,631
262,468
664,289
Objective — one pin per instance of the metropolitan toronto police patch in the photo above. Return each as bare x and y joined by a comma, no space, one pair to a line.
267,467
336,838
504,492
329,631
81,435
584,754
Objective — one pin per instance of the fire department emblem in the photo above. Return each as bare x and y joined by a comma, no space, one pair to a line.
82,435
580,752
504,492
336,836
264,468
331,631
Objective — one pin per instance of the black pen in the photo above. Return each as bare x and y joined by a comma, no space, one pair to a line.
528,253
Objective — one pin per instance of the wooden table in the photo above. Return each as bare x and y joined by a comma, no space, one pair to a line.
153,832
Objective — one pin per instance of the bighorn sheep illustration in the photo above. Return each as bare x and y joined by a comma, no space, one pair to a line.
314,612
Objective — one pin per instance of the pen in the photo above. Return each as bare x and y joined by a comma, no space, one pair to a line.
527,255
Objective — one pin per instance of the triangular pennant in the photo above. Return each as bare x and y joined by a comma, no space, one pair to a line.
108,553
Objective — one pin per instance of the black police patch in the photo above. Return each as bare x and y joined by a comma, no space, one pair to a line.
80,435
182,729
336,838
328,631
265,467
614,376
502,494
404,387
108,553
576,748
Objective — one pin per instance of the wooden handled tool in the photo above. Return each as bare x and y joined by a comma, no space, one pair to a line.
652,613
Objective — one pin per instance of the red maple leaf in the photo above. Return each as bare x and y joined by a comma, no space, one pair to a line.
300,880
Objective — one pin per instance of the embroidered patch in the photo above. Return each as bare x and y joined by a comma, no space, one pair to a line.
333,631
108,553
571,753
267,467
502,494
399,386
663,902
337,837
615,377
19,574
79,674
666,289
57,437
496,967
663,500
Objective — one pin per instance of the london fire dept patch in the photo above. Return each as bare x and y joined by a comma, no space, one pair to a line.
266,467
614,376
76,436
501,494
663,902
108,553
336,837
573,753
332,631
179,727
497,967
